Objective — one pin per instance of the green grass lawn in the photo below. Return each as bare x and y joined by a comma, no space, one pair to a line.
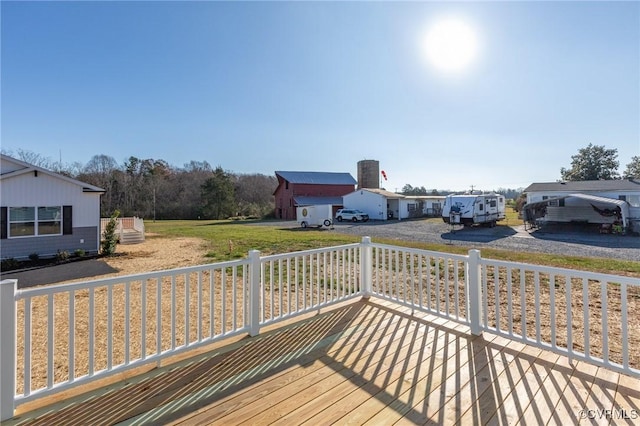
228,240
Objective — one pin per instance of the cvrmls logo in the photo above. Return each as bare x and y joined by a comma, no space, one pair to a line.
304,212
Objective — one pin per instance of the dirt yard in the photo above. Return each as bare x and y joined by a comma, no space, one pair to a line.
155,254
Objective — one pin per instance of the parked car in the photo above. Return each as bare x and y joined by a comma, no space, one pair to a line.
351,214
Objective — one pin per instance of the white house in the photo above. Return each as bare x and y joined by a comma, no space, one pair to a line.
43,212
599,201
383,205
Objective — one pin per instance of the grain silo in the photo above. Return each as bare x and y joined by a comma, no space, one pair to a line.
368,174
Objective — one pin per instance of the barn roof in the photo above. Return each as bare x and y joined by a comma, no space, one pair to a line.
317,178
586,185
314,201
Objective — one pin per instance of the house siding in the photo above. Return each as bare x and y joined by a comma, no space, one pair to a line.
84,238
23,185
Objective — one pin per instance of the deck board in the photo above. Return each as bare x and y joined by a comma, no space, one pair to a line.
366,362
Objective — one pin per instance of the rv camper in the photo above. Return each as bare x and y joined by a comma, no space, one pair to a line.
474,209
317,215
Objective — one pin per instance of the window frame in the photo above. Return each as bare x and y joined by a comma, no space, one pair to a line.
39,220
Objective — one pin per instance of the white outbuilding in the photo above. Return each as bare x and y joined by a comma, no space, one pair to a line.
380,204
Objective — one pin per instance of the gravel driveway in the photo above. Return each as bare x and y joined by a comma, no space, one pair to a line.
585,244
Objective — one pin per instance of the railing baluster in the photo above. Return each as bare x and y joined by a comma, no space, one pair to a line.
109,327
585,316
552,303
271,290
234,292
496,293
537,302
50,340
304,282
158,316
288,286
143,319
127,325
199,276
27,346
604,315
523,302
92,330
174,311
569,315
429,275
72,344
509,301
187,310
223,295
625,323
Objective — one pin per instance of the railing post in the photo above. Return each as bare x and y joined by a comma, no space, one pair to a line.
366,266
254,293
8,348
474,286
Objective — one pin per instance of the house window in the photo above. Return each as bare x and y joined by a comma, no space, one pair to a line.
22,221
49,222
32,221
557,203
411,207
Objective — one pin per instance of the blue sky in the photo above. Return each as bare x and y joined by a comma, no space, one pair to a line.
262,86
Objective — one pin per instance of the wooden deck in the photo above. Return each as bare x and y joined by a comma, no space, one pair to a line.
368,362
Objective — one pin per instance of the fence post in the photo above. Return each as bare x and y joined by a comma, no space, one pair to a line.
8,348
366,266
475,292
254,293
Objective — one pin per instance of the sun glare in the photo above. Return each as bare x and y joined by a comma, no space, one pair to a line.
451,45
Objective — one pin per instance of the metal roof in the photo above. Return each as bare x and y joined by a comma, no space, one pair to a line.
317,178
314,201
383,192
586,185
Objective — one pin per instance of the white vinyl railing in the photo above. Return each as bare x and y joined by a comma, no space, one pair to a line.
90,330
124,223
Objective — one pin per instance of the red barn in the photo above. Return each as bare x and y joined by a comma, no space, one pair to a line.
310,188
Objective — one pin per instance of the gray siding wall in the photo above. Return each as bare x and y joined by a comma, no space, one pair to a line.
85,238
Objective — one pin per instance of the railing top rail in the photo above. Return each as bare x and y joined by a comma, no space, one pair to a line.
57,288
461,257
563,271
308,252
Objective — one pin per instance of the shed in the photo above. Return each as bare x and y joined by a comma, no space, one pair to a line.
43,212
379,204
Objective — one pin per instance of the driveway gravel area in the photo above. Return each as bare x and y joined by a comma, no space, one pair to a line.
551,240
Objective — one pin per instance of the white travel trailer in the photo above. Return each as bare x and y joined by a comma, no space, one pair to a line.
315,215
474,209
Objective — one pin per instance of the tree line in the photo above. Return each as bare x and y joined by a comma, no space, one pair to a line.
154,189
